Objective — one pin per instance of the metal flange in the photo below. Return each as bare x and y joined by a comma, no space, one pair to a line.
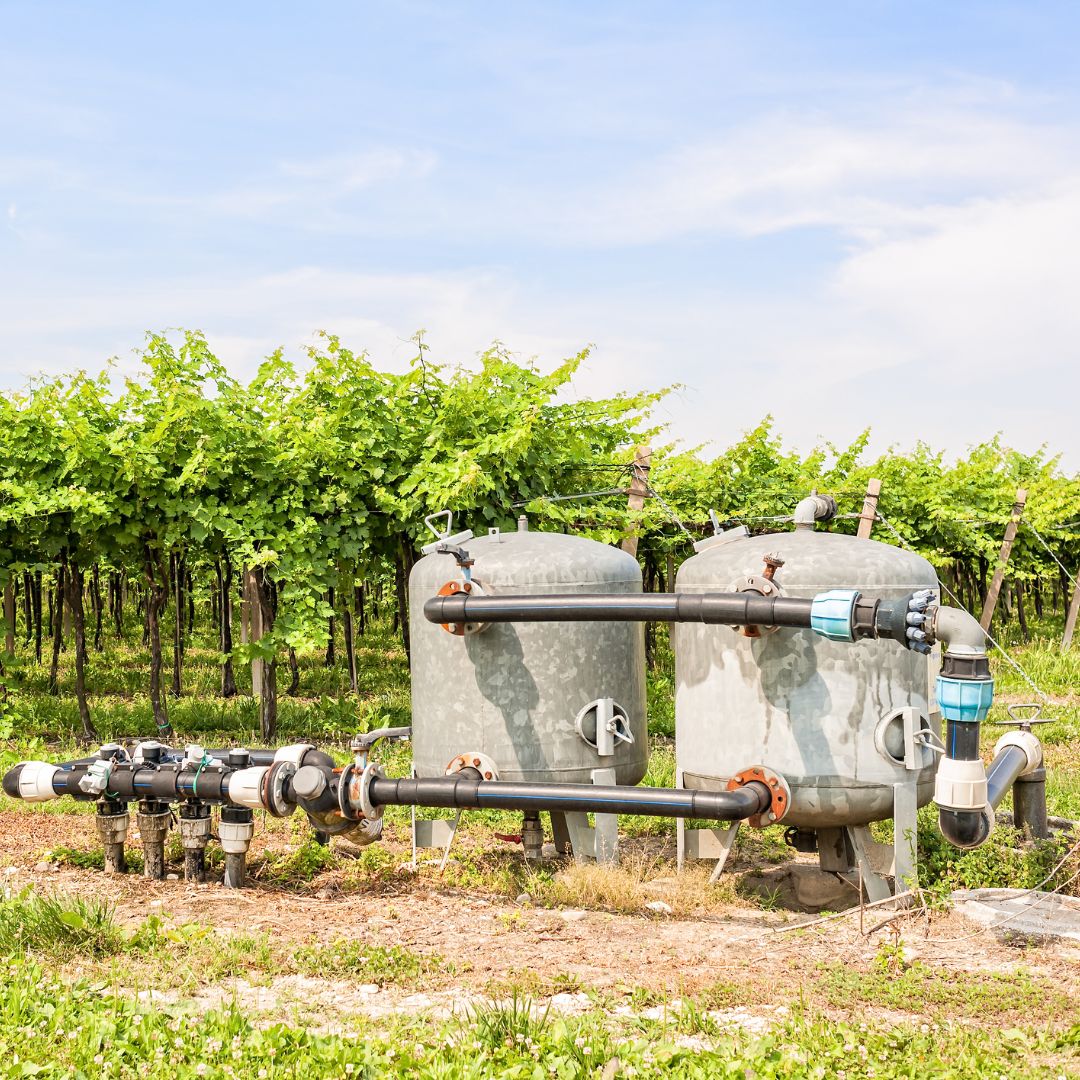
472,588
483,764
273,789
777,785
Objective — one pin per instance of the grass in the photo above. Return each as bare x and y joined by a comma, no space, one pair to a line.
56,926
924,991
52,1026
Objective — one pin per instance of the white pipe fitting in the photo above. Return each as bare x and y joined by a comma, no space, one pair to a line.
960,631
246,787
961,785
36,781
235,836
1026,741
294,752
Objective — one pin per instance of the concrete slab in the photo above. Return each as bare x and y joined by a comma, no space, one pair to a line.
1018,913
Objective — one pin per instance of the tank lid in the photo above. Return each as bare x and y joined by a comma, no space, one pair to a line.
725,537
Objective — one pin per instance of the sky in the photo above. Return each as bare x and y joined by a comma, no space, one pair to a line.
845,215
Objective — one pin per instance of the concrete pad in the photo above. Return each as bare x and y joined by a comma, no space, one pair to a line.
1019,913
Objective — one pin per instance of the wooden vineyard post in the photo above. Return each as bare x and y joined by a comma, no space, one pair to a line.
9,615
254,628
1070,619
1003,558
639,490
869,509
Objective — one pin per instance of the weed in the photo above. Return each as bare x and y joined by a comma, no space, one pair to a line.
33,922
508,1023
387,965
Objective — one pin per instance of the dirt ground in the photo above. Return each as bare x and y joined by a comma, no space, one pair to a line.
494,941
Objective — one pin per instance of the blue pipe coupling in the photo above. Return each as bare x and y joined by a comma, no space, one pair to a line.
966,700
832,612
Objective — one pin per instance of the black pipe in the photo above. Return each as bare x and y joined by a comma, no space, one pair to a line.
1004,771
728,609
962,740
1029,805
164,783
466,791
965,828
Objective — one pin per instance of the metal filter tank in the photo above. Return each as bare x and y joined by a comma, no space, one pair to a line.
829,716
530,696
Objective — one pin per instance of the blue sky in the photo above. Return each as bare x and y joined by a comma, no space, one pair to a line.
842,214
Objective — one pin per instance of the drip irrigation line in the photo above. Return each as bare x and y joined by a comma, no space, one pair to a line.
1028,525
956,600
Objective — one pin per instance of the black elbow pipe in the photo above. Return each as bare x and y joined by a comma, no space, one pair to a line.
464,791
729,609
965,828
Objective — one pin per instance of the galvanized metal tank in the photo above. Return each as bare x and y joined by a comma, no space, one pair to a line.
824,714
516,692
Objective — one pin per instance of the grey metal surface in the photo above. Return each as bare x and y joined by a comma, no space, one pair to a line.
514,692
792,700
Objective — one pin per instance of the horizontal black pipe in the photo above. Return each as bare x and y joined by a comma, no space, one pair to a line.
729,609
465,792
147,782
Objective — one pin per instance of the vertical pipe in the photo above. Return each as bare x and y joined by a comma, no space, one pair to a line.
1029,805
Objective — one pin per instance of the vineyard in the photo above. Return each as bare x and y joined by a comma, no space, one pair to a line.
192,558
278,510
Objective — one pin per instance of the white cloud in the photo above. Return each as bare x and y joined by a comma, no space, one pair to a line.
348,172
899,171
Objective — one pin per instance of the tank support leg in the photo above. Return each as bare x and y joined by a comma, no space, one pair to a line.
606,829
871,858
561,834
582,837
905,836
726,837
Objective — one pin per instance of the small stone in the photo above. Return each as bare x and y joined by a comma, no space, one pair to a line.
41,867
172,877
660,907
9,870
369,988
523,898
155,903
549,851
573,915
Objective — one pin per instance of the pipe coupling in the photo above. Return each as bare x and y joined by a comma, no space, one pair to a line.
195,832
961,784
246,787
1026,741
153,828
112,828
36,781
295,753
235,836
